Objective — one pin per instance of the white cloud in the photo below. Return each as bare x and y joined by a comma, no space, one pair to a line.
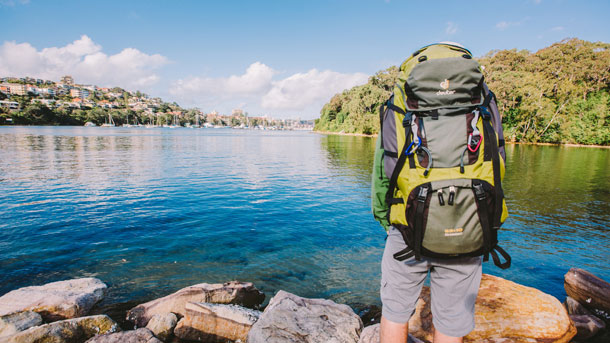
503,25
557,28
256,90
84,60
311,89
451,28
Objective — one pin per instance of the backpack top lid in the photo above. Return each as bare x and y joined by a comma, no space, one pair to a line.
441,75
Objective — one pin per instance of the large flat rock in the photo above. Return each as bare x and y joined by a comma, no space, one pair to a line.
240,293
370,334
207,322
289,318
142,335
162,325
504,312
11,324
55,301
75,330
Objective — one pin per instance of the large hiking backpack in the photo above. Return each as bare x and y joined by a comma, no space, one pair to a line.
444,157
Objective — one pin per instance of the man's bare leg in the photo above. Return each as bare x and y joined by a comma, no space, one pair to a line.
391,332
442,338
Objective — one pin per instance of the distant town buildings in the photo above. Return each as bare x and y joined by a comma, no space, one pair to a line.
67,80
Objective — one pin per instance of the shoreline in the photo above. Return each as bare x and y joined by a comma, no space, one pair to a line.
570,145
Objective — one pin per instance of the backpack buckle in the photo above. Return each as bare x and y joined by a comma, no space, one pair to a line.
423,194
479,192
485,114
406,122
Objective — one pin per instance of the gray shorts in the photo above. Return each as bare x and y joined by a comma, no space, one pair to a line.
454,285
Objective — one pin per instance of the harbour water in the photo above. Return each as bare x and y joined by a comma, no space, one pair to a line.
149,211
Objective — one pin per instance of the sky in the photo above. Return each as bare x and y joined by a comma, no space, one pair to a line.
284,59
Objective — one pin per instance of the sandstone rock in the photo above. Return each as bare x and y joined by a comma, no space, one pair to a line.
162,325
290,318
141,335
13,323
207,322
587,326
574,307
66,331
56,300
240,293
370,334
589,290
504,312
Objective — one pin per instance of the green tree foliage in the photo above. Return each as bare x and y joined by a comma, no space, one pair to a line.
560,94
355,110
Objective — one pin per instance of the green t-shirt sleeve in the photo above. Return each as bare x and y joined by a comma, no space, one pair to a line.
379,188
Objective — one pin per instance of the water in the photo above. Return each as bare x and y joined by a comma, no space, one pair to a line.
149,211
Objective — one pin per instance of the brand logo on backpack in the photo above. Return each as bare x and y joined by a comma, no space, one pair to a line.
445,85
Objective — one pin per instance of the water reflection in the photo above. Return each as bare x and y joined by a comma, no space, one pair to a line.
151,211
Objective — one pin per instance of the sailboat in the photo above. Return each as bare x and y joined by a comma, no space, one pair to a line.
110,122
197,125
127,124
175,123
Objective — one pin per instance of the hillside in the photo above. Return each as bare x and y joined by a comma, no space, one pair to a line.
559,94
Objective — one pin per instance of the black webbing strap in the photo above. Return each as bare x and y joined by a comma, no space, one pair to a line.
381,115
395,201
496,259
390,153
490,136
419,228
481,197
395,108
400,162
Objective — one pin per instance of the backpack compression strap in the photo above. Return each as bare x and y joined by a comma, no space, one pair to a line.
492,228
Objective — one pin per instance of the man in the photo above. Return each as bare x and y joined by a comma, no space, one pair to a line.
454,283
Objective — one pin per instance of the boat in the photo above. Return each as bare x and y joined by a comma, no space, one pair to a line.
110,122
196,125
89,124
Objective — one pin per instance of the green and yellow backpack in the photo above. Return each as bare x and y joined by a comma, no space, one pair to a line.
441,134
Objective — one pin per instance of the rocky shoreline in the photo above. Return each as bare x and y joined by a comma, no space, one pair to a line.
66,311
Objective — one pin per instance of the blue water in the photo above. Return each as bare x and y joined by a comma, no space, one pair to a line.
149,211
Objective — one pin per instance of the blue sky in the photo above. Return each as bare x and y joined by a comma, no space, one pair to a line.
281,58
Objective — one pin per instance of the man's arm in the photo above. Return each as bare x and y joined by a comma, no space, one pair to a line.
379,188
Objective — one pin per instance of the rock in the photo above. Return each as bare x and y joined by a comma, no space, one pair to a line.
290,318
589,290
10,324
207,322
370,334
586,326
240,293
504,312
574,307
56,300
66,331
141,335
162,325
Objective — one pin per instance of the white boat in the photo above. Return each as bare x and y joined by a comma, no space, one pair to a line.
90,124
110,122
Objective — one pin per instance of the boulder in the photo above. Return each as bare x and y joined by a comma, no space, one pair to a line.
290,318
207,322
10,324
589,290
370,334
504,312
587,326
66,331
574,307
56,300
234,292
141,335
162,325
